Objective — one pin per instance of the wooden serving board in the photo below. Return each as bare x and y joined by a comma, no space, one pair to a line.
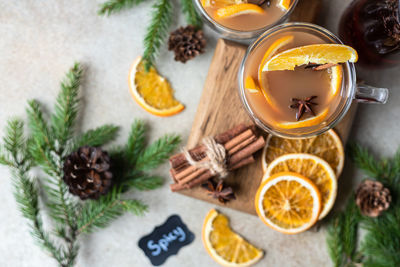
220,109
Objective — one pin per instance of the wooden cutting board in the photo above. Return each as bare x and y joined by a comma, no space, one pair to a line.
220,109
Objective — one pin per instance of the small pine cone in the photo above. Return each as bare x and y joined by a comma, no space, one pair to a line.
86,172
186,43
372,198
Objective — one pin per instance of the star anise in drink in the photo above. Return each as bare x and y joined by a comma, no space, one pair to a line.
219,190
303,106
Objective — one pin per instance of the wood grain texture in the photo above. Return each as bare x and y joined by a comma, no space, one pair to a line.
220,109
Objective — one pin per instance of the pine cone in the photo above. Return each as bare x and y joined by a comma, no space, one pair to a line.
372,198
86,172
186,43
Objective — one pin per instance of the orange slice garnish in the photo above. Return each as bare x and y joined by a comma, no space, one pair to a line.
225,246
239,9
221,3
336,75
288,202
284,4
305,123
151,91
251,85
318,53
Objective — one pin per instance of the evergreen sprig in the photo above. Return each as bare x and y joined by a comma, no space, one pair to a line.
161,18
47,144
114,6
191,15
380,245
157,31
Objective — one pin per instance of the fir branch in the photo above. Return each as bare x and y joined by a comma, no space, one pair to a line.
37,124
114,6
342,235
66,109
192,17
97,137
157,31
100,213
136,141
364,160
145,182
158,152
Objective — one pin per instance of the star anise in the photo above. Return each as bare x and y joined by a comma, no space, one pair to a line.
303,106
219,191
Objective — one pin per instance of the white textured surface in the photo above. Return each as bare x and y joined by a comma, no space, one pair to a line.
40,40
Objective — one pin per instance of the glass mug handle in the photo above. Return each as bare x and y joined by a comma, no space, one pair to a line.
369,94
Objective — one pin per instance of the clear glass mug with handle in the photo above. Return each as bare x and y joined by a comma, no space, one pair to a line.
244,27
349,89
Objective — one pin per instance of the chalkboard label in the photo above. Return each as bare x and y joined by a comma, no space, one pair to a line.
166,240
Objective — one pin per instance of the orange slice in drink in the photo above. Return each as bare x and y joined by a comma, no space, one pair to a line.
317,53
225,246
288,202
151,91
251,85
305,123
327,146
284,4
239,9
221,3
312,167
336,75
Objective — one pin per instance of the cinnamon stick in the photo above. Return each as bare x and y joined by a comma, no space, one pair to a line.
207,175
198,152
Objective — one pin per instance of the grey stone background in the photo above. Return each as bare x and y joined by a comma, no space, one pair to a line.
40,40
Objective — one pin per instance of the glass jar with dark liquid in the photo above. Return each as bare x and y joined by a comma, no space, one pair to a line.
372,27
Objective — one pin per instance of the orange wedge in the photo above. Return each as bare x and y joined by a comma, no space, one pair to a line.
318,53
239,9
221,3
226,247
251,85
151,91
305,123
284,4
327,146
288,202
312,167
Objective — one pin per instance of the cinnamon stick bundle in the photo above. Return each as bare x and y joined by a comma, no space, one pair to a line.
240,143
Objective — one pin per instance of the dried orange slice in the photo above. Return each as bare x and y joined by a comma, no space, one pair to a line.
288,202
152,91
221,3
251,85
239,9
327,146
224,246
284,4
312,167
317,53
305,123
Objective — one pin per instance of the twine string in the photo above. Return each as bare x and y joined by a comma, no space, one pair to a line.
216,155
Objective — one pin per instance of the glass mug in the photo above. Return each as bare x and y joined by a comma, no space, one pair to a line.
244,34
349,90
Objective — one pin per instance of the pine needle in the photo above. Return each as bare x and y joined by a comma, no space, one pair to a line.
157,31
115,6
144,182
192,17
158,152
97,137
136,141
364,160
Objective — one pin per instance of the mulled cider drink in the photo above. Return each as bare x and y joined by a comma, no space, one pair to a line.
293,80
242,19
